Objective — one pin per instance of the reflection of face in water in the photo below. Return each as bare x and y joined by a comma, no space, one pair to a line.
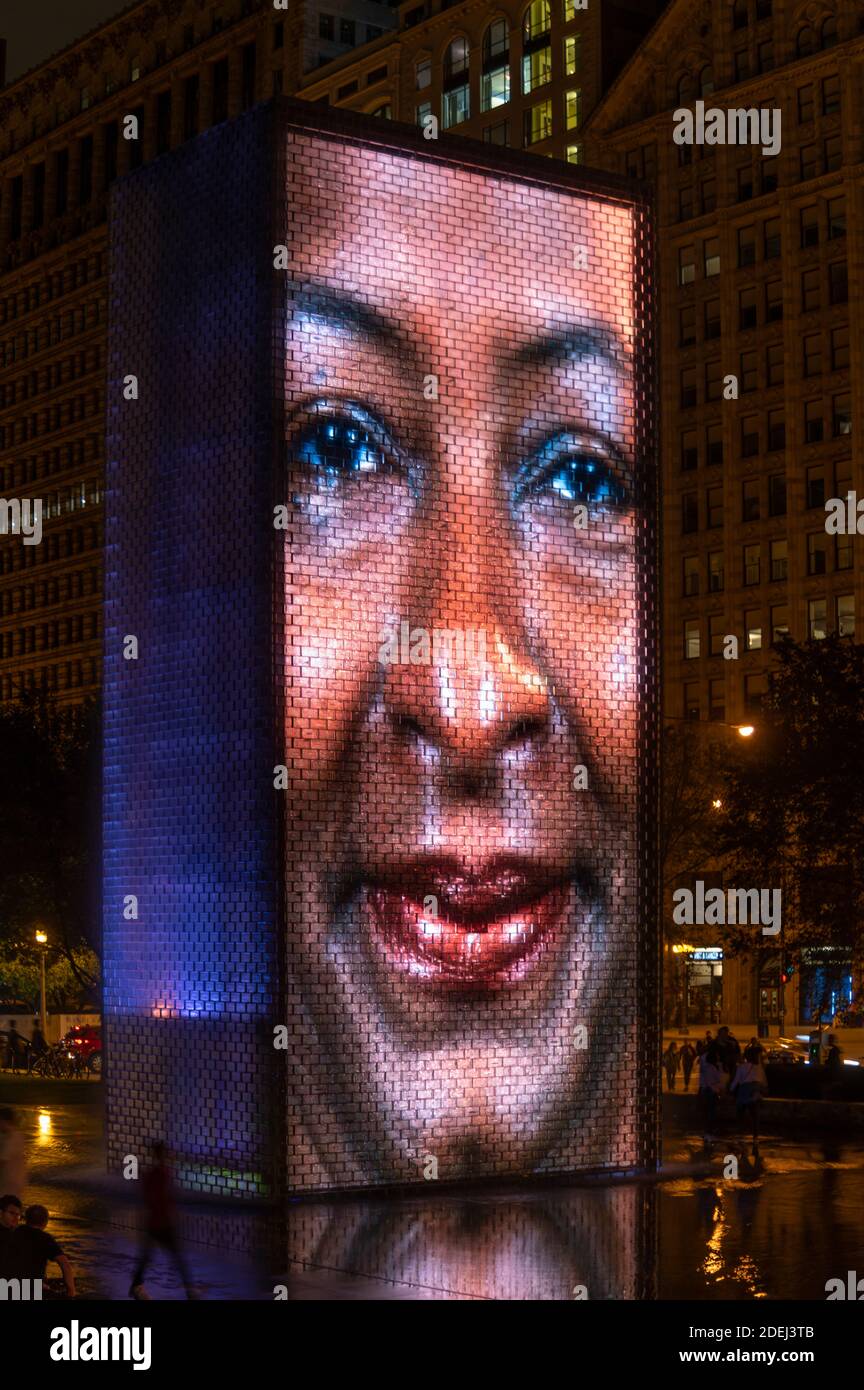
460,852
584,1243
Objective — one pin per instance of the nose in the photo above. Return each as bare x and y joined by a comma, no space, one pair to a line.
459,678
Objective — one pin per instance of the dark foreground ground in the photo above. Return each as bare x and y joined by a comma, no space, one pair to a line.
694,1233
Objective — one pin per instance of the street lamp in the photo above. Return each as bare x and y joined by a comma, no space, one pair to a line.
42,943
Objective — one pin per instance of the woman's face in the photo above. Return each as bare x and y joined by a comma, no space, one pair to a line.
460,665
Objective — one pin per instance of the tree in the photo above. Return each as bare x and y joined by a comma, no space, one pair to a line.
793,798
49,829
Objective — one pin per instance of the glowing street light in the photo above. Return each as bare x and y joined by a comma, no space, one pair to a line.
746,730
42,942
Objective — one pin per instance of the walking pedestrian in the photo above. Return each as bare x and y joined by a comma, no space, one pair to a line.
670,1062
688,1057
38,1045
748,1086
160,1228
14,1046
13,1166
710,1086
704,1043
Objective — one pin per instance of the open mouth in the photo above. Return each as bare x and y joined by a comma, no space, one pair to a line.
468,931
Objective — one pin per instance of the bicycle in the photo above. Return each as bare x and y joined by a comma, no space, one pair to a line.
53,1063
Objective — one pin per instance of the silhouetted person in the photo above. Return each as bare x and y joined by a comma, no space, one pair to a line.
10,1215
14,1045
747,1086
13,1168
688,1057
38,1045
33,1248
710,1086
670,1062
160,1226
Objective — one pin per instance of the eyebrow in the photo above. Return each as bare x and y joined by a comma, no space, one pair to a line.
344,311
571,342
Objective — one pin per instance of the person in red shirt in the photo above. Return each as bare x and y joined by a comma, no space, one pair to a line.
160,1228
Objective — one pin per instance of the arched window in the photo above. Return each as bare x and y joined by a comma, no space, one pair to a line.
538,20
686,88
828,35
706,81
456,105
496,43
456,59
422,73
806,41
739,14
495,79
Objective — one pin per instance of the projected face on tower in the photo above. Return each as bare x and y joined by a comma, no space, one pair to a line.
460,649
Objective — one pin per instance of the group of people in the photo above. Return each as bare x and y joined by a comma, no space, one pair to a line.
26,1247
19,1053
722,1066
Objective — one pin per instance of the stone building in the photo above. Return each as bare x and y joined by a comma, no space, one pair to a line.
177,68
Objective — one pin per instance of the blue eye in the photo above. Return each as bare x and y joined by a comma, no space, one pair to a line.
573,471
338,446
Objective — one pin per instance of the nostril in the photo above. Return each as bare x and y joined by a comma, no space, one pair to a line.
525,729
407,726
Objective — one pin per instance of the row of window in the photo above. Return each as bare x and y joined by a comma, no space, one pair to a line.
51,377
49,332
815,495
751,60
60,282
340,29
819,547
747,241
80,190
61,632
73,585
842,618
73,541
74,454
69,675
70,411
755,689
714,374
751,443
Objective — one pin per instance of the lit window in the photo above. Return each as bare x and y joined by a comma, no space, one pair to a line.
573,108
572,54
536,69
456,107
574,154
538,19
537,123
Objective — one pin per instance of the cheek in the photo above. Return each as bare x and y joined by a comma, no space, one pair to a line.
333,632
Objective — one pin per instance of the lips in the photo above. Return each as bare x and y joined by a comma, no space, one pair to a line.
481,931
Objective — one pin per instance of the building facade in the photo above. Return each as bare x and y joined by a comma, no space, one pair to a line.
177,68
761,285
523,75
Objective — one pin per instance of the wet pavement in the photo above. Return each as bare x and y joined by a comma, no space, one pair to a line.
695,1234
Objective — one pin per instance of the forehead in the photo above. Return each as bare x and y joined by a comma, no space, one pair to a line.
403,229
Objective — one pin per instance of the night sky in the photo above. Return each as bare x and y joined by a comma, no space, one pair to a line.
33,32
